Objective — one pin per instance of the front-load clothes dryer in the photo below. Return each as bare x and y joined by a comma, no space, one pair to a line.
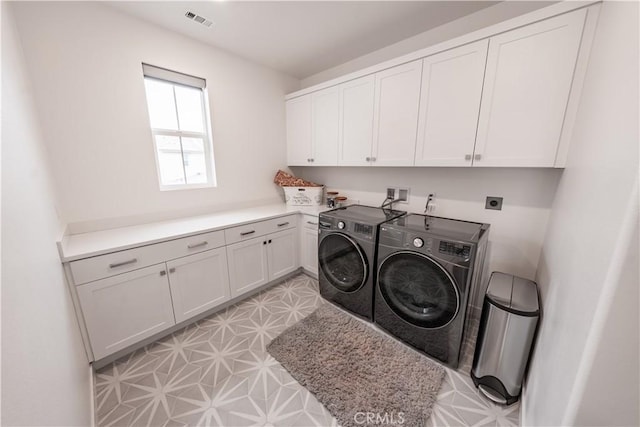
347,255
428,268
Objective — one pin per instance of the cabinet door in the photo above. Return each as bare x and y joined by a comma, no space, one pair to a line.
397,97
299,131
527,84
309,249
282,253
325,127
449,105
247,265
124,309
356,121
198,282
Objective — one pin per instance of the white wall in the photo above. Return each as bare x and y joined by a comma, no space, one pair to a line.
85,58
610,392
45,373
492,15
586,220
517,230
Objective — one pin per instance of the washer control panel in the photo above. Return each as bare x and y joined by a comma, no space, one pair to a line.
429,245
363,229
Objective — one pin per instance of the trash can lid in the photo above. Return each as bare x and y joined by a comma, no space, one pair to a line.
513,293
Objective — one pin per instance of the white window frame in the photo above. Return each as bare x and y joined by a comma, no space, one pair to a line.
178,79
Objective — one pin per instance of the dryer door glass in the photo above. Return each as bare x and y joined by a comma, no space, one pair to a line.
342,262
418,289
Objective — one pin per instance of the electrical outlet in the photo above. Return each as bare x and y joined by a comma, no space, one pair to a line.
403,195
494,203
391,193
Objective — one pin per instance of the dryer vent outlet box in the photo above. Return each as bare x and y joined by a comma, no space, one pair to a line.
494,203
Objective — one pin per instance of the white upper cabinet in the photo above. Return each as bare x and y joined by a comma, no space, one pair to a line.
313,124
356,121
506,99
527,83
299,131
325,127
397,98
450,105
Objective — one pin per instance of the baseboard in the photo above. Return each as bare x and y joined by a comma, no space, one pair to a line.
310,273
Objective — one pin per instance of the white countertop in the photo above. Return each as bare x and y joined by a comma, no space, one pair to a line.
78,246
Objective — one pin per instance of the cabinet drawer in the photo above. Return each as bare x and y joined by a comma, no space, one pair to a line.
310,222
99,267
194,244
257,229
246,232
282,223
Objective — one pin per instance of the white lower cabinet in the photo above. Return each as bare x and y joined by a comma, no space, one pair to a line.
282,253
198,282
122,310
309,244
247,265
254,262
133,294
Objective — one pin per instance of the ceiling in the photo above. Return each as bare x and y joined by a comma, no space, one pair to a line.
301,38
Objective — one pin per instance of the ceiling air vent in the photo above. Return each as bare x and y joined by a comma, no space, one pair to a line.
199,19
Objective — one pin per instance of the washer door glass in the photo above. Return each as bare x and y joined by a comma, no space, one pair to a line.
342,262
418,289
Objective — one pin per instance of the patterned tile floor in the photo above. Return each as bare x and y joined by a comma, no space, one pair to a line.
216,372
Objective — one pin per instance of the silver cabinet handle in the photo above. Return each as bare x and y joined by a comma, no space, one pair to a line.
373,159
172,270
246,233
467,156
163,273
477,157
311,159
368,159
197,245
312,223
120,264
283,224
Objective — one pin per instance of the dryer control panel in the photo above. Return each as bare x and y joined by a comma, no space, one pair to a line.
454,249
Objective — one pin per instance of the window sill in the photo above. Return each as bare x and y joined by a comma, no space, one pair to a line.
186,187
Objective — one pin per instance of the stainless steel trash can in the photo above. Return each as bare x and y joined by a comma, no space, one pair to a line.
510,314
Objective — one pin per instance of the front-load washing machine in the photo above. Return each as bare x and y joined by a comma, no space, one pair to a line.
428,268
347,255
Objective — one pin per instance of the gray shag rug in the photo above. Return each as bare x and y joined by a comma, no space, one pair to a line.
361,376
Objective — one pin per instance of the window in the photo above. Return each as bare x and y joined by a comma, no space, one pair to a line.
178,114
